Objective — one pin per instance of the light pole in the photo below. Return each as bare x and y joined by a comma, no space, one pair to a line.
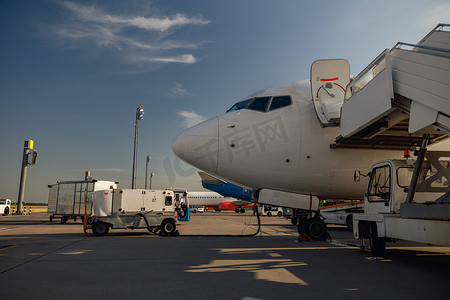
27,150
139,116
146,170
151,177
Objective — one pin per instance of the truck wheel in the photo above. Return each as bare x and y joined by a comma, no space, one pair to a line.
242,210
377,244
294,221
269,214
349,222
100,228
64,219
6,212
168,227
315,228
279,214
51,218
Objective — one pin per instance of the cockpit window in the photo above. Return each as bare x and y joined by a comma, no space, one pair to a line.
240,105
280,101
259,104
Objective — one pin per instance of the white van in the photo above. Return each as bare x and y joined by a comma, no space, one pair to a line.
5,206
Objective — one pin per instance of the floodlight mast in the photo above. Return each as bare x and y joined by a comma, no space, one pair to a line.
139,116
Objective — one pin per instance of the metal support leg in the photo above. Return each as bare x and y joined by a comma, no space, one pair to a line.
417,168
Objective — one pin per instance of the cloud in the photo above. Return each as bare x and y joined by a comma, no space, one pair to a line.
136,41
191,118
179,90
436,15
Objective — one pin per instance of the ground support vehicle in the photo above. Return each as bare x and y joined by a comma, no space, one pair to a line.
269,210
66,199
341,213
5,206
155,210
406,200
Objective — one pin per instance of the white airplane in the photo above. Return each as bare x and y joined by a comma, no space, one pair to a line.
282,142
211,200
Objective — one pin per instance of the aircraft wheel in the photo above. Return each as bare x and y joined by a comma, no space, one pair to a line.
168,227
100,228
349,222
377,244
315,228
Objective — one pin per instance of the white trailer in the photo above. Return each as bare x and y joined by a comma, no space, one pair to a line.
66,198
342,213
155,210
408,200
5,206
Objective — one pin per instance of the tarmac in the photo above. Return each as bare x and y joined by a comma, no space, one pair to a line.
43,260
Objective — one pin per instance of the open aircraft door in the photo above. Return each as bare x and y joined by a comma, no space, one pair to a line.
329,79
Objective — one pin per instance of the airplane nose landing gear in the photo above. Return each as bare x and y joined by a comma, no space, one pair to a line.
313,227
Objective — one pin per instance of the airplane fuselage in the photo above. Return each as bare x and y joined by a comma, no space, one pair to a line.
282,149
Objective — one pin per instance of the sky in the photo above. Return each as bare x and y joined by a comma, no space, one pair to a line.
72,74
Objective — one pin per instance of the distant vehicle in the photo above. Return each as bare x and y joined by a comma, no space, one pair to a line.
269,210
5,206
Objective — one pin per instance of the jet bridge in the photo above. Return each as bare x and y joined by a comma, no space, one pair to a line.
401,96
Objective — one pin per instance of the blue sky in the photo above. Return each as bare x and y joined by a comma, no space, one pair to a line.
73,72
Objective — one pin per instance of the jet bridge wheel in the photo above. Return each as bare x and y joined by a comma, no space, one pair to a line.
100,228
315,228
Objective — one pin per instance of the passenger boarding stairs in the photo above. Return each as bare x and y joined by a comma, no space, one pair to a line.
402,95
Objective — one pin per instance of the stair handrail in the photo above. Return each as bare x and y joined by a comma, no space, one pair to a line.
399,44
385,55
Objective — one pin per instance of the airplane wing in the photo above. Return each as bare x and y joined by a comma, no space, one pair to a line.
209,179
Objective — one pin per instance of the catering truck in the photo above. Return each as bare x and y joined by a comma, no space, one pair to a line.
407,200
155,210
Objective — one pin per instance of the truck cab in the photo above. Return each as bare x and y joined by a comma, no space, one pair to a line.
388,215
389,183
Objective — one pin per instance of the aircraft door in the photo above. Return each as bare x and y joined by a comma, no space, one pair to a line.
329,79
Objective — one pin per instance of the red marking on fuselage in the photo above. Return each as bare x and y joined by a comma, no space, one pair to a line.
329,79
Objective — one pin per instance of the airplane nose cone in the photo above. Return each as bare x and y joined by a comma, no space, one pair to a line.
198,145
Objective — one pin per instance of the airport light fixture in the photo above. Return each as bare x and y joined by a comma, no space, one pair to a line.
139,116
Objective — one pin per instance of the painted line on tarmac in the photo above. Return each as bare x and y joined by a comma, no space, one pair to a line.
7,247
